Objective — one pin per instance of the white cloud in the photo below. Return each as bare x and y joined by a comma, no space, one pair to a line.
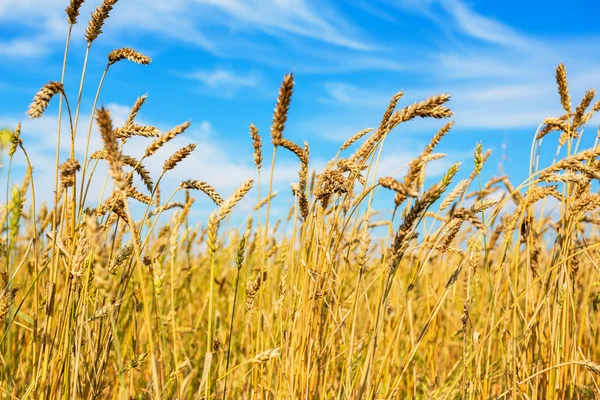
395,160
23,48
15,9
477,65
41,22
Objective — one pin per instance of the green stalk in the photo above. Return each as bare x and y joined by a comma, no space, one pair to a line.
239,261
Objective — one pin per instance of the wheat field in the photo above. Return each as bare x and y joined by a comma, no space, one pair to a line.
465,289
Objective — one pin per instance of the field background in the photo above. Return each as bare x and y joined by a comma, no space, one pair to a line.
287,199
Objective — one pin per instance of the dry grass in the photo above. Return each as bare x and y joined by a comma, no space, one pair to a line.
467,290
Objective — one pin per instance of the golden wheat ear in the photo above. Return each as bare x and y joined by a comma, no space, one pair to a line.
257,144
4,295
127,53
97,20
67,172
111,147
164,139
73,11
178,156
43,97
563,88
354,138
203,187
226,207
15,140
303,183
281,109
265,200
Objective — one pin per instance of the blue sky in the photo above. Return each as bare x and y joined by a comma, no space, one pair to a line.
219,63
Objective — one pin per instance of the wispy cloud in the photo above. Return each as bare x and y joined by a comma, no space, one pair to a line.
225,82
349,94
499,77
297,17
176,20
483,28
316,38
455,16
180,19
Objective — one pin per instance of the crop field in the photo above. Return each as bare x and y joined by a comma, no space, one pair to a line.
458,288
